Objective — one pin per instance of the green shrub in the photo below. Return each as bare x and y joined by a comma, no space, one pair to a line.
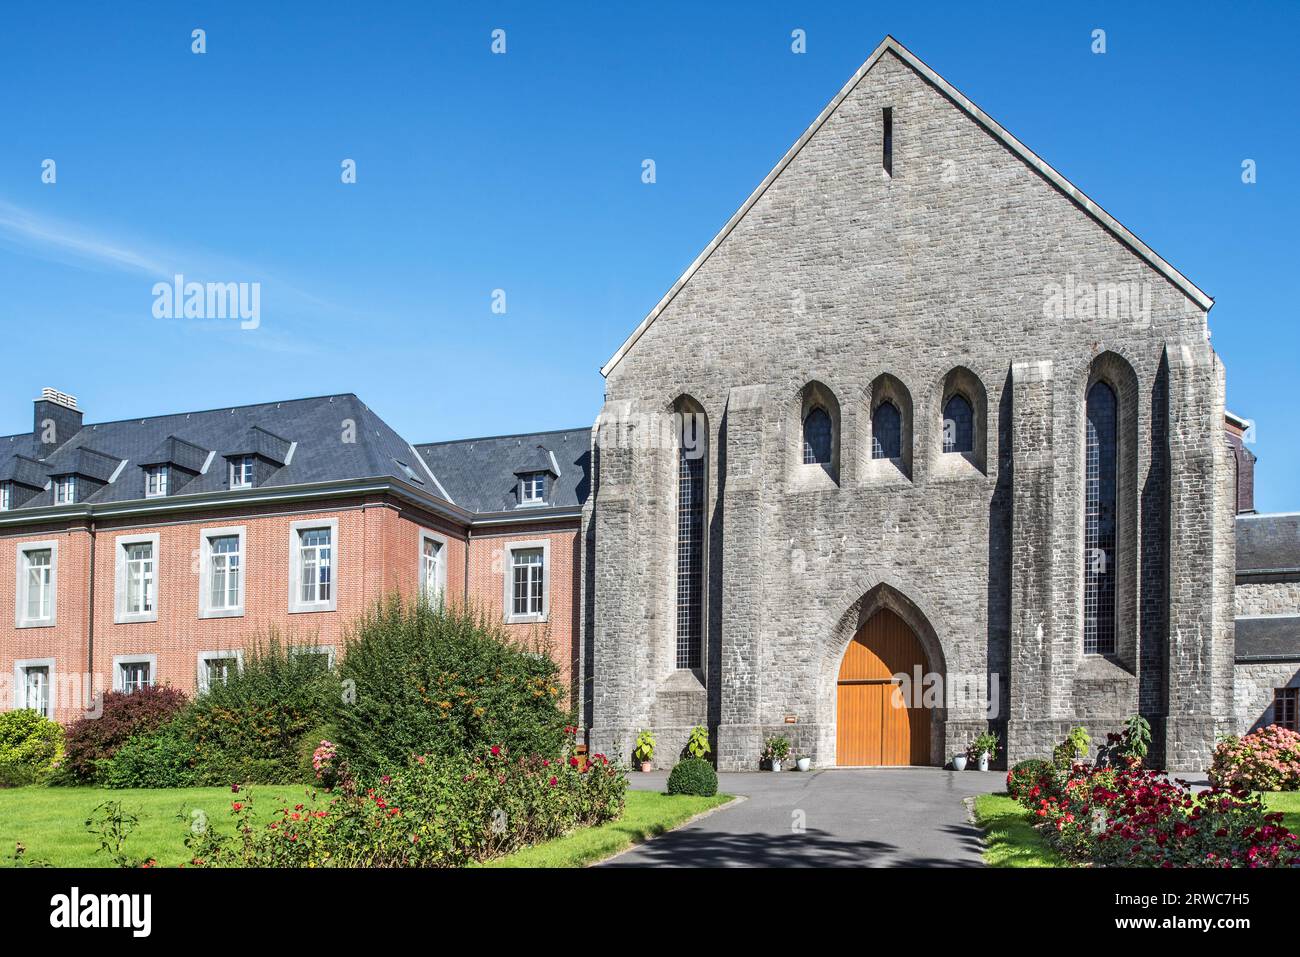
161,759
30,746
693,776
433,813
1027,774
253,727
123,716
446,682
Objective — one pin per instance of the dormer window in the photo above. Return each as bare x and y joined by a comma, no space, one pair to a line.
241,472
6,496
532,488
65,490
155,481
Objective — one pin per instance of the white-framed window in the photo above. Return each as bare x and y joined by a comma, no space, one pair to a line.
34,685
527,581
133,672
65,490
433,567
532,488
6,496
136,579
156,479
221,572
313,584
217,667
37,584
241,472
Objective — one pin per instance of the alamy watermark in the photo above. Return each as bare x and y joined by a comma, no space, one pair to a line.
209,300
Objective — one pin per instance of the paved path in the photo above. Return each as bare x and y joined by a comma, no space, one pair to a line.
882,817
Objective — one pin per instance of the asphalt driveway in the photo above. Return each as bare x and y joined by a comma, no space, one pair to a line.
882,817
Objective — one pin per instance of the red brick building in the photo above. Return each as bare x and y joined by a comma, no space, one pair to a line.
153,550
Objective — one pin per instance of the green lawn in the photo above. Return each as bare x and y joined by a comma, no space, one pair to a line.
647,814
51,821
1288,802
1010,841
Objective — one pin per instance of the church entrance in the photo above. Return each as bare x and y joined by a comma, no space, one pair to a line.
875,724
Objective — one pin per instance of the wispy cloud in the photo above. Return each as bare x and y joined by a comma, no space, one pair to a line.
67,240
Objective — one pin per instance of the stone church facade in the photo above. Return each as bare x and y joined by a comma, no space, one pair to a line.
952,416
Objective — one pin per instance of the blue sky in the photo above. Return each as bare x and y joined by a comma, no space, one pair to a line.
522,172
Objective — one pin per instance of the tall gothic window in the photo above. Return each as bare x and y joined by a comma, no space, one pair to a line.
817,438
886,432
958,425
690,540
1099,523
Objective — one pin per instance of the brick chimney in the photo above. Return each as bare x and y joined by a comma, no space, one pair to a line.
56,419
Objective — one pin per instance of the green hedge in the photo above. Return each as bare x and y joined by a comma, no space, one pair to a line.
30,746
443,681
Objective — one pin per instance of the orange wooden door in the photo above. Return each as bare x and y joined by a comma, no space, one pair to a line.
874,723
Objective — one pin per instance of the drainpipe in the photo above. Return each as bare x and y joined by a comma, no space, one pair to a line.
469,537
90,627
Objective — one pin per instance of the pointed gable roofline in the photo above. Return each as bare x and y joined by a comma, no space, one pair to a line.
889,44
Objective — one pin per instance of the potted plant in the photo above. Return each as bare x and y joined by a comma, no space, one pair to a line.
698,744
776,750
645,750
984,748
959,762
803,762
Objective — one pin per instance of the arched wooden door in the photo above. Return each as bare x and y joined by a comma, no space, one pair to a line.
874,725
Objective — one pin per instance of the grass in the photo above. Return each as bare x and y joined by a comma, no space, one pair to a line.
51,821
1009,839
647,814
1288,802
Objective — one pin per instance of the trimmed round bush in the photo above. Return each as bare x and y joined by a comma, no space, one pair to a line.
30,745
693,776
446,682
92,740
1026,774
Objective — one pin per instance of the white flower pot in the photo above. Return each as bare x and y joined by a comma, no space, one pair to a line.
803,763
776,764
984,761
959,762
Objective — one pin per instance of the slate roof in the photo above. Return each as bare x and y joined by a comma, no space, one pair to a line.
1268,638
482,474
316,430
1268,544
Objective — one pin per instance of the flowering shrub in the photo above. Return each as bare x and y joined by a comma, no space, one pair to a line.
435,812
447,682
1134,818
1265,760
323,763
1026,774
92,740
30,746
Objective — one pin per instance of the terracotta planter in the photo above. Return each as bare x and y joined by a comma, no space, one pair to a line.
647,766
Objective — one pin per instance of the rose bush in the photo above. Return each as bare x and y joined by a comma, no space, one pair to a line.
1265,760
1124,817
435,812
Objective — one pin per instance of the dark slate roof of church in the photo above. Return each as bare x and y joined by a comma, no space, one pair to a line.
482,474
1268,638
316,429
1268,544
